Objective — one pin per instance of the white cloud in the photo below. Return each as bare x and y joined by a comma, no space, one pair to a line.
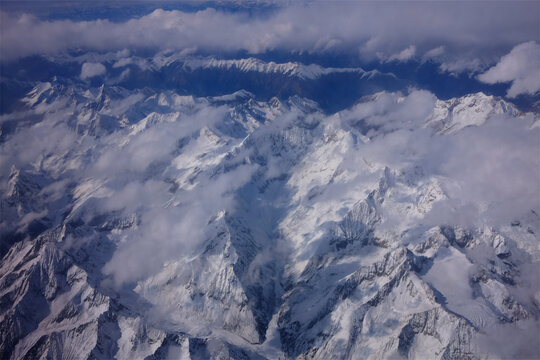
496,167
391,111
35,145
521,67
368,28
168,232
90,70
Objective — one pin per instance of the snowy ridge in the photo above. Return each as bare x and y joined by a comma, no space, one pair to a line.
292,69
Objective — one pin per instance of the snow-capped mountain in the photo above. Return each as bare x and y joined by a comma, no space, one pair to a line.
148,224
290,69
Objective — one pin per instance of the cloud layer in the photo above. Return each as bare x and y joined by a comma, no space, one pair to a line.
371,30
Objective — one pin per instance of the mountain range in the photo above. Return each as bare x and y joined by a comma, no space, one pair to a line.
139,222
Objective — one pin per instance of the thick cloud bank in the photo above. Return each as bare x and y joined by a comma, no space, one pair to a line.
457,34
521,67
